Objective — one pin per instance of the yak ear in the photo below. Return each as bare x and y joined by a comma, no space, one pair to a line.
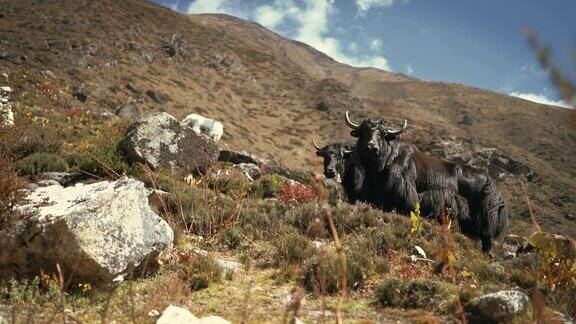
319,153
355,133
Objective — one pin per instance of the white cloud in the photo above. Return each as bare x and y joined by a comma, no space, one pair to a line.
376,44
540,98
309,23
268,16
272,15
312,29
206,6
353,47
365,5
409,69
530,70
215,6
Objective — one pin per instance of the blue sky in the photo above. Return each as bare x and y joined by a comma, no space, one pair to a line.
479,43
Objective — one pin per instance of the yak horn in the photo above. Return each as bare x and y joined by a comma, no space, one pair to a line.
399,131
316,145
349,123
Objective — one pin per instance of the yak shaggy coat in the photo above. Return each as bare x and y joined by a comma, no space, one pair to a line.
398,175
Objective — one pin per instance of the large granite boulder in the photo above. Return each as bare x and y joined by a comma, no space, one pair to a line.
160,140
96,233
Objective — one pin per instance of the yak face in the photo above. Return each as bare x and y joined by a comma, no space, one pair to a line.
335,156
375,142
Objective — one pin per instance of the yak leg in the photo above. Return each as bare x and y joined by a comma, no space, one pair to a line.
487,246
403,189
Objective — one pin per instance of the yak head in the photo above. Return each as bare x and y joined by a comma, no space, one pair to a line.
335,156
376,140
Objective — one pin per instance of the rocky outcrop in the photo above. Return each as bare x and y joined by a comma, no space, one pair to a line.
502,306
157,96
264,166
238,157
79,92
130,110
97,233
249,170
490,160
226,63
160,140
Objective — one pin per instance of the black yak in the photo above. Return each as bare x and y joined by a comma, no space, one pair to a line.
342,163
396,172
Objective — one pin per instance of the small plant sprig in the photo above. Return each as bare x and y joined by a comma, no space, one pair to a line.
415,220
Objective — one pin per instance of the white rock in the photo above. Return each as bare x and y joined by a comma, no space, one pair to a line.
6,89
501,306
250,170
176,315
97,232
229,266
6,115
297,321
179,315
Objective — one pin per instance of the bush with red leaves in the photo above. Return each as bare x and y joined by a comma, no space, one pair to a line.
296,193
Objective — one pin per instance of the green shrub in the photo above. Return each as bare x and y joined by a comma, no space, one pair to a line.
267,186
258,217
38,163
389,293
199,211
306,218
523,279
34,139
199,272
394,292
235,185
292,247
99,161
11,192
231,237
29,292
349,218
322,273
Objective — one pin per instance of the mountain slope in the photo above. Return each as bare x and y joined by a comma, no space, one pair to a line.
273,94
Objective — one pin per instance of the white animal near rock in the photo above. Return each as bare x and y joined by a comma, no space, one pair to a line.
207,126
95,232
